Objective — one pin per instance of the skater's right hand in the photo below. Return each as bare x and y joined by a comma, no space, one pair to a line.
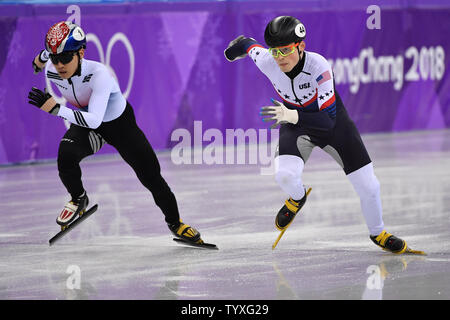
39,62
279,113
235,49
43,100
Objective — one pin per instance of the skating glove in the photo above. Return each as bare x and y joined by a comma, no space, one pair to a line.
237,48
43,100
279,113
39,61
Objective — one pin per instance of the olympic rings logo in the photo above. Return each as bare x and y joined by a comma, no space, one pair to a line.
106,60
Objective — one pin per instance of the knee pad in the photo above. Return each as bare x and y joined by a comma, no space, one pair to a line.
288,167
288,172
284,176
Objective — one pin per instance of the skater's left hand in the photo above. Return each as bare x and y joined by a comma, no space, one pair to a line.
279,113
236,48
43,100
39,61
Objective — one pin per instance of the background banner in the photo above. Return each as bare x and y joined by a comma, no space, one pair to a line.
168,58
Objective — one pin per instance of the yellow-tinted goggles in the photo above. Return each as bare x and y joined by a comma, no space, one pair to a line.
284,51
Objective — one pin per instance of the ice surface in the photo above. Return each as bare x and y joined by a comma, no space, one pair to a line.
125,251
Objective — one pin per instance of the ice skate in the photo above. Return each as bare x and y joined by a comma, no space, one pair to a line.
391,243
287,214
186,234
73,209
74,212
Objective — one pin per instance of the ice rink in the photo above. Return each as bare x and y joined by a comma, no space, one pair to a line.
125,251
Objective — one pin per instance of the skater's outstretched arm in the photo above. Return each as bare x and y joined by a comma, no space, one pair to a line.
242,46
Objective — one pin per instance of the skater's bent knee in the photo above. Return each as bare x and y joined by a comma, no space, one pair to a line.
69,156
284,176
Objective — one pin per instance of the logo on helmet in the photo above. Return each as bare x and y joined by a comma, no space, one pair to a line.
56,35
78,34
300,30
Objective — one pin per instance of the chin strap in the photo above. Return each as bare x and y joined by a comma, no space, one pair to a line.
78,72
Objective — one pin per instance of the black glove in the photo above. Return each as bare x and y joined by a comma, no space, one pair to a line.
236,48
43,100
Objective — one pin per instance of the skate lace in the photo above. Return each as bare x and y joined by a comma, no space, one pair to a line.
382,238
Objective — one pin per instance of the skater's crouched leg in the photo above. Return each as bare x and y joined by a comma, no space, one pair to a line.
69,156
74,147
288,171
133,146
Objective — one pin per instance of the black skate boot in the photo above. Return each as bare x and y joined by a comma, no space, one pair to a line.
185,232
74,208
288,212
390,243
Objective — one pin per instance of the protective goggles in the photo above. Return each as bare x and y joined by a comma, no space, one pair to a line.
64,57
284,51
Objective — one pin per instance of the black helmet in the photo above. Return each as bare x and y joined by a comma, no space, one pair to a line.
284,30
